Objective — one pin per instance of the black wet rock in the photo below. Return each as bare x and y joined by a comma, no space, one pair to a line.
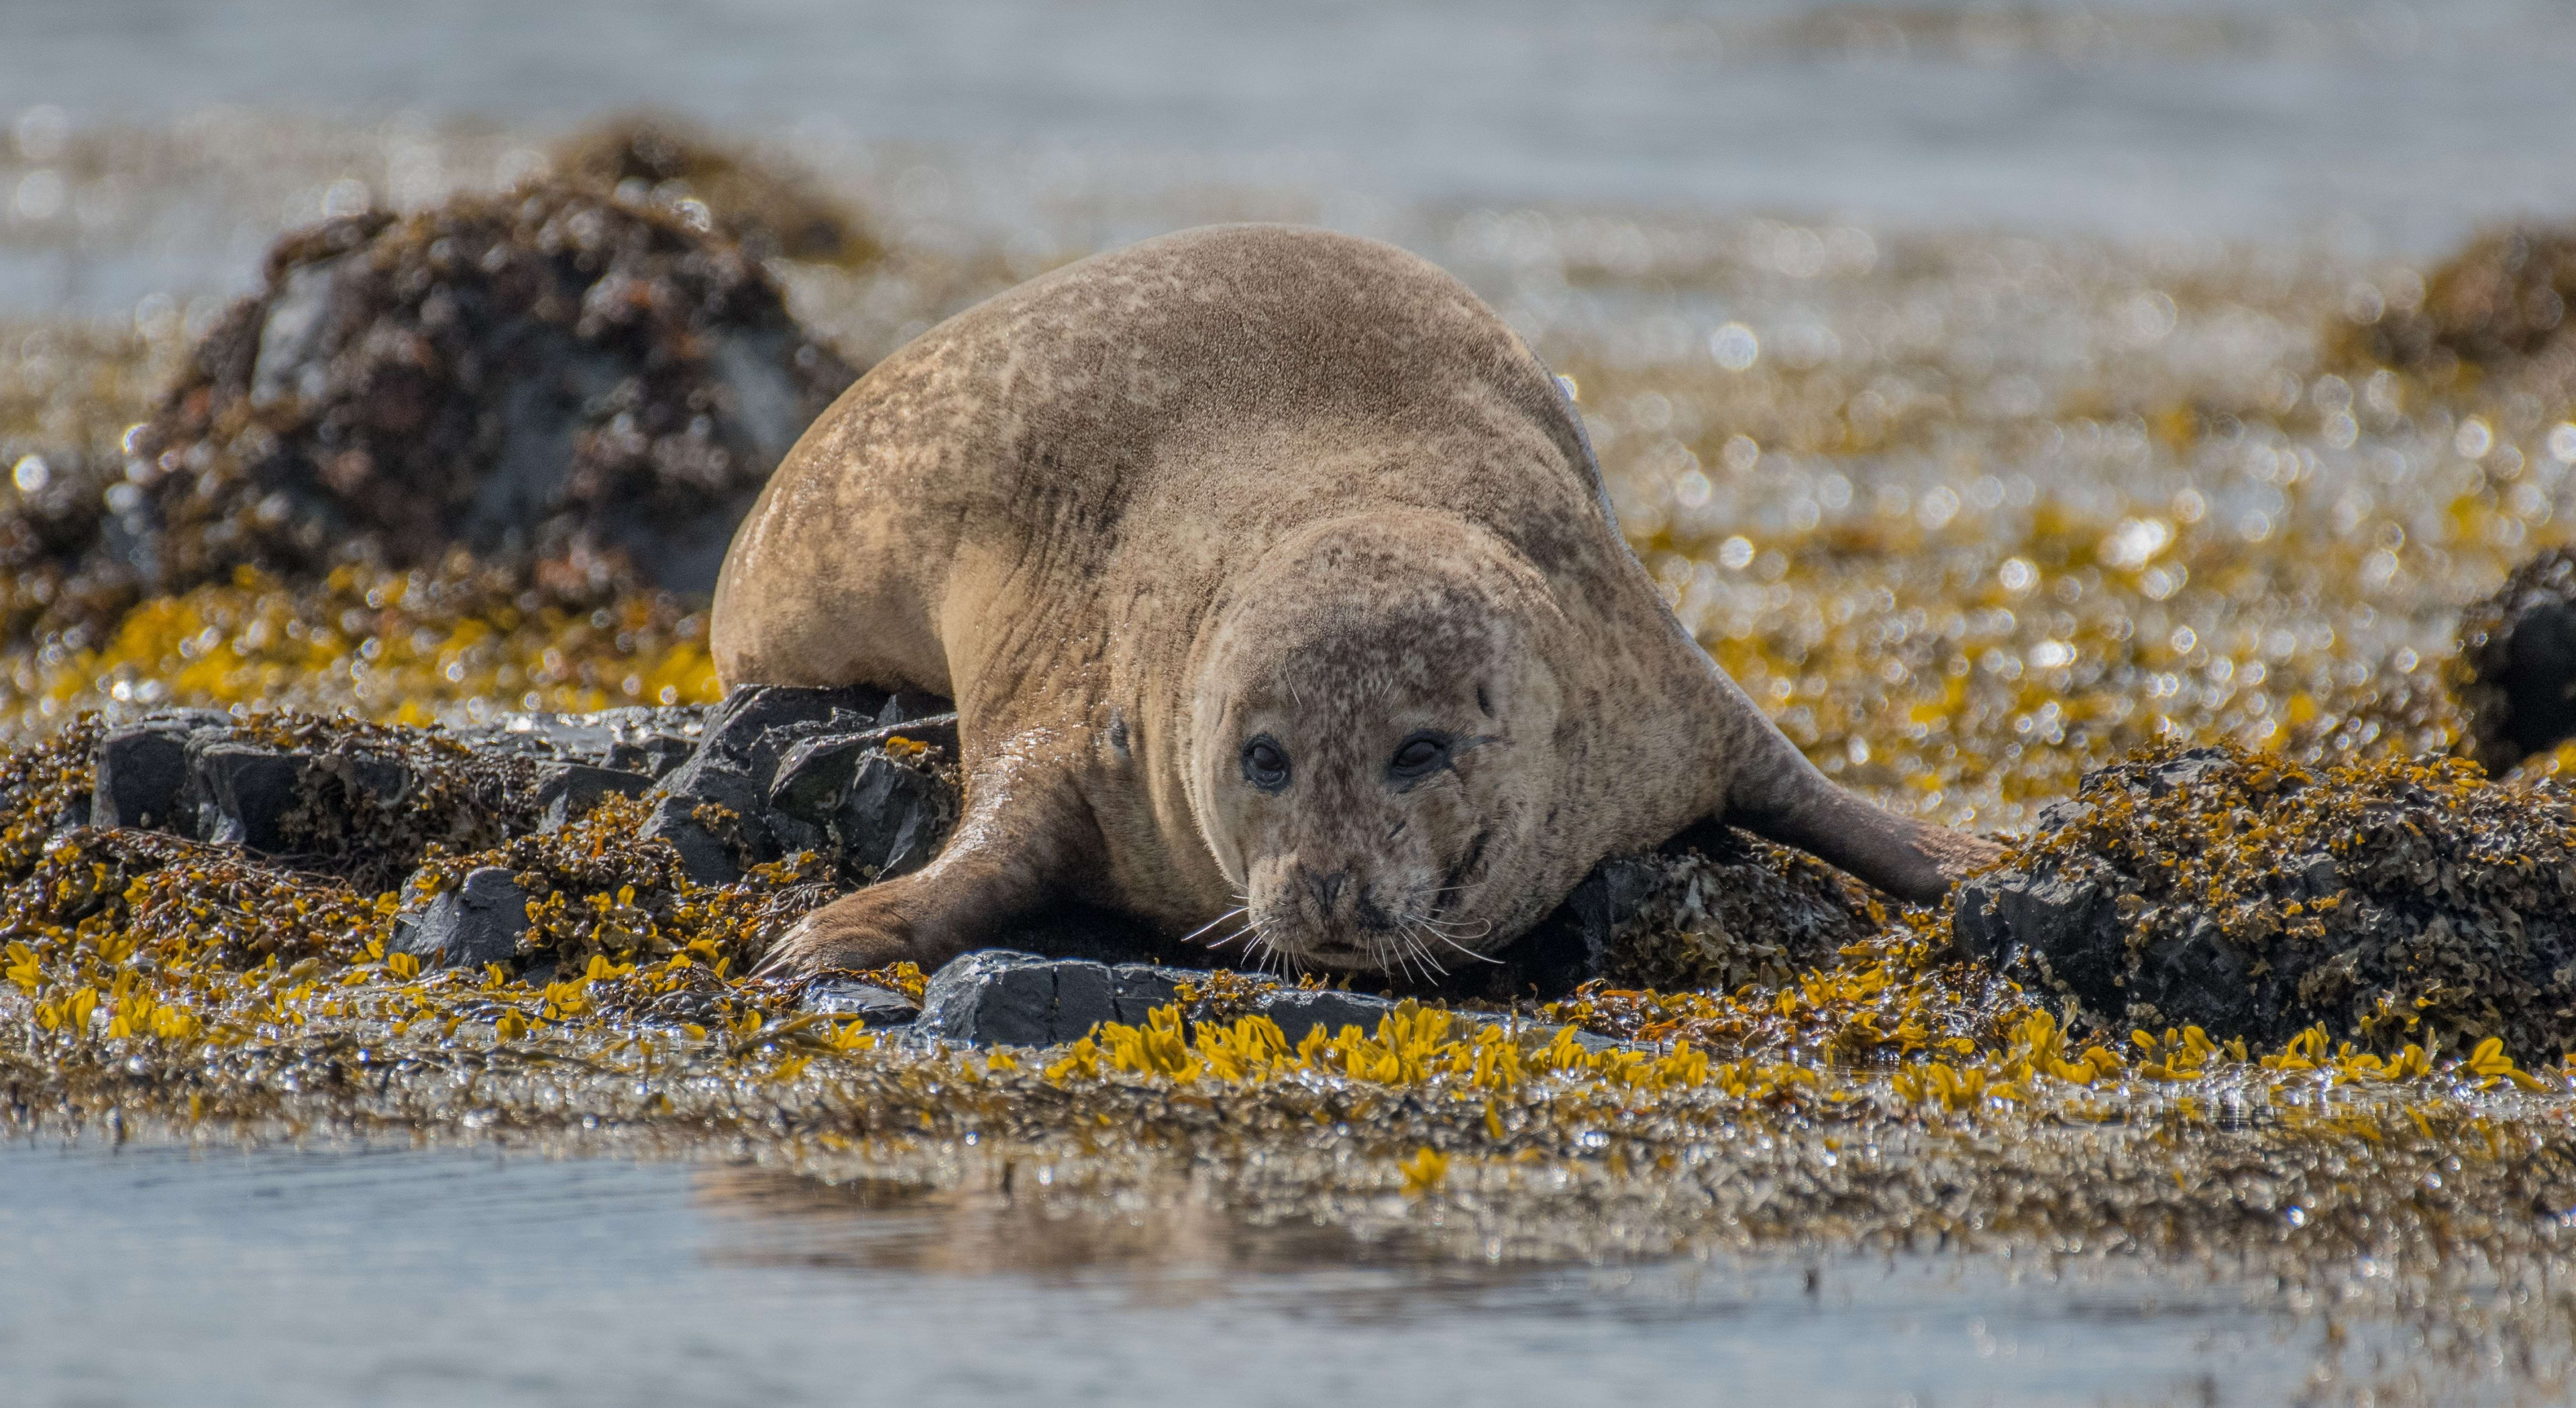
2515,674
478,922
2389,902
141,772
757,724
1000,997
245,793
567,792
872,1005
726,811
815,773
892,819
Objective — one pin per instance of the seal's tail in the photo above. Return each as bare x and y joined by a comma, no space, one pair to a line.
1787,800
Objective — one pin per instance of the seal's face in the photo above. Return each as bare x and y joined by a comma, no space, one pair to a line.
1374,764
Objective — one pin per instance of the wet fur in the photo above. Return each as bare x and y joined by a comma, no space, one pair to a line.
1238,476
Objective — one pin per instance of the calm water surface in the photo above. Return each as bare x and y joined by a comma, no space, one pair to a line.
162,1275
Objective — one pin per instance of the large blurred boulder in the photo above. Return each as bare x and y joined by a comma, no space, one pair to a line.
2515,675
552,374
2502,299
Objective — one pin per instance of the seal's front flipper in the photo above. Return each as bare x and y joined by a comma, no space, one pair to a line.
1792,803
1016,845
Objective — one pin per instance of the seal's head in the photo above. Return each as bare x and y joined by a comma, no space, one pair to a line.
1375,745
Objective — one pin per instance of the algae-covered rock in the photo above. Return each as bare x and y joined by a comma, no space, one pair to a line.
2515,674
774,213
2389,901
551,375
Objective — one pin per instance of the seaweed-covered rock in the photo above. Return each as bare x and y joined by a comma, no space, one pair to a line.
2515,674
2387,901
1714,908
550,374
774,213
361,801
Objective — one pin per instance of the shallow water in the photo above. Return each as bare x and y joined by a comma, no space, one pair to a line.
161,1274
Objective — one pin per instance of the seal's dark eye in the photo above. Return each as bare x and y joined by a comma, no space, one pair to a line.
1265,764
1419,755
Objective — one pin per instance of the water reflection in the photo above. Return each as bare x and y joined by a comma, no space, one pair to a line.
215,1277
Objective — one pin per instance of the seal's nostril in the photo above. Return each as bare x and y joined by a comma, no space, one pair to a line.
1327,887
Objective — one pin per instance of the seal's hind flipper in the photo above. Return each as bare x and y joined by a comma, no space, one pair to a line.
1792,803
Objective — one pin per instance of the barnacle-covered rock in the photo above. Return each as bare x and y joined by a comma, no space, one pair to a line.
2389,901
549,374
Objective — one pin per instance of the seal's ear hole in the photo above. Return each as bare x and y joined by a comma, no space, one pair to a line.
1265,763
1484,701
1419,756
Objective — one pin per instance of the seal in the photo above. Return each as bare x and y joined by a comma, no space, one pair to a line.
1283,606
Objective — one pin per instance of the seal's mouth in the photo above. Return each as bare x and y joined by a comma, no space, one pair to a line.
1421,938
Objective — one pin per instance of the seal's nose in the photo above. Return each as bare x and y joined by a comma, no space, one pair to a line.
1328,888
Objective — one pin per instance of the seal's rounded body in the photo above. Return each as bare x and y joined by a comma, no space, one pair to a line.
1272,577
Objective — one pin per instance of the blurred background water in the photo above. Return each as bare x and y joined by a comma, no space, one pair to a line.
2380,126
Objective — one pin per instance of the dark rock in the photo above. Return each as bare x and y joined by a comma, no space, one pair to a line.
1573,944
462,377
141,771
656,756
478,922
566,792
814,774
2012,919
992,997
873,1006
2515,674
1001,997
244,794
707,852
739,729
893,819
